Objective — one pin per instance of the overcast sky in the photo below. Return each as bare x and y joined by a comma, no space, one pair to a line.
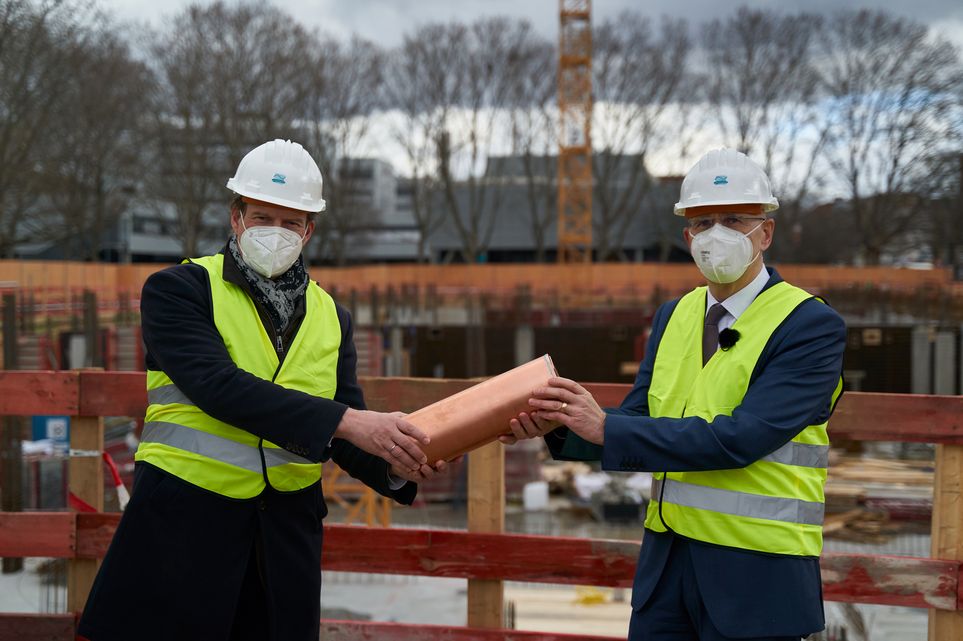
384,21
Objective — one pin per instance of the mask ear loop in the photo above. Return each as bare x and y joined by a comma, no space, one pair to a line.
243,226
758,253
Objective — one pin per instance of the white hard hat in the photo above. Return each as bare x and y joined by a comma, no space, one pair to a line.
282,173
725,177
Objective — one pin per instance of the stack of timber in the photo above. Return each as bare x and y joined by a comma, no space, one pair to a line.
869,499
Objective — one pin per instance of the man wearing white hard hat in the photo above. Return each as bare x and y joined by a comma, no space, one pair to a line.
251,384
729,412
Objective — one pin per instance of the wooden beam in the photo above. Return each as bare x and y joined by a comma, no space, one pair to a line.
905,581
11,449
369,631
28,393
60,627
859,415
486,514
11,482
865,416
52,534
86,482
113,393
947,532
408,394
452,553
37,627
926,418
891,580
94,533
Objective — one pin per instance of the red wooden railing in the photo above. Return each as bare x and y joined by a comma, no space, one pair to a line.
83,538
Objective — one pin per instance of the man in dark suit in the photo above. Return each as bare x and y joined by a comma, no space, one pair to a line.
729,411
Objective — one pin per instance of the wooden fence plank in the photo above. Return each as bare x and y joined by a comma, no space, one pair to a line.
37,534
367,631
924,418
912,582
95,532
451,553
859,416
27,393
113,393
86,483
37,627
408,394
486,514
946,531
60,627
891,580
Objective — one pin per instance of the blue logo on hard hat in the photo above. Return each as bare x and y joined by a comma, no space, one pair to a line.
279,179
721,180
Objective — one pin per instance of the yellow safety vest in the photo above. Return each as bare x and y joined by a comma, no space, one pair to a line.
180,438
774,505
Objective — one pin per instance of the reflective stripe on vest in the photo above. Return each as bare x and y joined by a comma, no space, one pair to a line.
216,447
771,508
182,439
167,394
774,505
801,454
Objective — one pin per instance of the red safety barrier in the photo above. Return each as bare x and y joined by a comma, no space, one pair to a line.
83,538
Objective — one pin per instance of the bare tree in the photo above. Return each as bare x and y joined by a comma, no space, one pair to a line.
420,92
232,77
532,99
263,72
342,96
636,78
37,41
492,53
93,169
762,89
944,213
890,89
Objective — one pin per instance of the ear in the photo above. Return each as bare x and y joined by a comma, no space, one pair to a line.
308,230
236,222
687,236
768,229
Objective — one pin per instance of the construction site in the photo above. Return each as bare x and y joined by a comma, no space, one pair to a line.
514,541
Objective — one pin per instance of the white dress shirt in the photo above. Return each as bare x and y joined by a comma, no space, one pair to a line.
739,302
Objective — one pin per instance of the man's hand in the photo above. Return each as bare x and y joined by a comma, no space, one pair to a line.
531,425
389,436
565,401
423,473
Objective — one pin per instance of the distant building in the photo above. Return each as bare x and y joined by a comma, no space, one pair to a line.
373,213
371,219
501,209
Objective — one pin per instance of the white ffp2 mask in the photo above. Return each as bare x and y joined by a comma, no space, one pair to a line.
723,254
269,250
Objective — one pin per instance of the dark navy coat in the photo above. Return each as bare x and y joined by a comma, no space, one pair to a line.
188,564
747,594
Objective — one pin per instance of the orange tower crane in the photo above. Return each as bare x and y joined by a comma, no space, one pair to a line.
575,123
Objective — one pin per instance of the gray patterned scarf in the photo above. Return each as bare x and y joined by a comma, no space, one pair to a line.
279,295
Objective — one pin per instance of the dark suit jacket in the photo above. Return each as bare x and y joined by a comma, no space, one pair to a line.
747,594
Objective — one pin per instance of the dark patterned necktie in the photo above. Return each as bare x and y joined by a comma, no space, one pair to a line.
710,333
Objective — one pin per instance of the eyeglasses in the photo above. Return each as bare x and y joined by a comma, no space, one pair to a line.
732,221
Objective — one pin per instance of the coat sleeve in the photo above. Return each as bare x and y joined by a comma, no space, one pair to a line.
367,468
790,389
565,445
182,340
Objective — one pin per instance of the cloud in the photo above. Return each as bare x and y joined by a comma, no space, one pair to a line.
386,21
